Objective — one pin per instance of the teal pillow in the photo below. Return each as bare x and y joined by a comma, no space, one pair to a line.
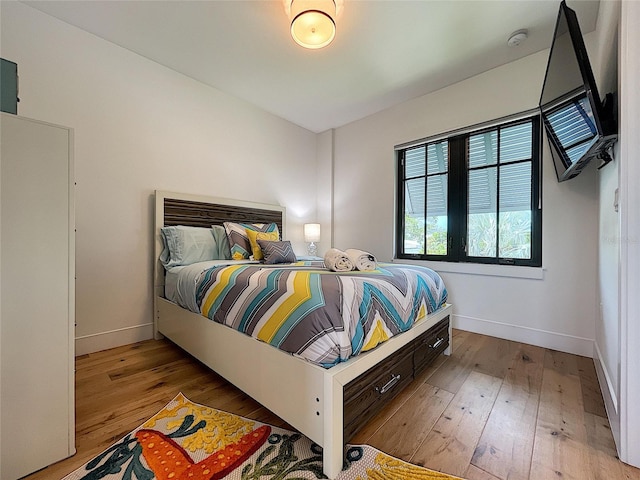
223,251
186,245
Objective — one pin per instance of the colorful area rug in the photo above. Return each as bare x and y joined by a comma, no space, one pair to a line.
188,441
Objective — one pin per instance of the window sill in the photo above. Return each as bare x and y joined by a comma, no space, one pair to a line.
532,273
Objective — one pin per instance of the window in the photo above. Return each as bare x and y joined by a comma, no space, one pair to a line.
472,196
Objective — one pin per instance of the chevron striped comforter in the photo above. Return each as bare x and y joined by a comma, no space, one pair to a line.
322,316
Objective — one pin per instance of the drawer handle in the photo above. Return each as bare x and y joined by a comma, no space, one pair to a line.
438,343
389,385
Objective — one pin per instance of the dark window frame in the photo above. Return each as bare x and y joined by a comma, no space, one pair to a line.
457,194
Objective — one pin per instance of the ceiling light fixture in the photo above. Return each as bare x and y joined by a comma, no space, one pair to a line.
313,22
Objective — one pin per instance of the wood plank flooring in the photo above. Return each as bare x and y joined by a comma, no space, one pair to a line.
493,410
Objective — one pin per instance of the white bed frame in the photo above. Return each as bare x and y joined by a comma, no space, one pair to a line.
308,397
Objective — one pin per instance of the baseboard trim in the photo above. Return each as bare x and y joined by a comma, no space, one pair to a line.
608,394
533,336
542,338
606,384
113,338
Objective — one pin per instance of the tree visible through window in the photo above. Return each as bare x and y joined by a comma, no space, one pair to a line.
472,197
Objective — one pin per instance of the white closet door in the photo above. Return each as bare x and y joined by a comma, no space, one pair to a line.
37,294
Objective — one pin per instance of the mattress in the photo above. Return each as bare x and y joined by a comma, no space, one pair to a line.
306,310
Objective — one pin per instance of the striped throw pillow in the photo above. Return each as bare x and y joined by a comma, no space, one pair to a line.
239,240
277,252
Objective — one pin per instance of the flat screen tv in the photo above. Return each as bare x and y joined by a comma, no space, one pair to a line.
579,126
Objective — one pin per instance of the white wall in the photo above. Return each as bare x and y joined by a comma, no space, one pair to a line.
607,343
556,310
325,190
603,52
140,127
629,140
617,332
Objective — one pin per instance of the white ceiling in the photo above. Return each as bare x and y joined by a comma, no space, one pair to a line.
385,51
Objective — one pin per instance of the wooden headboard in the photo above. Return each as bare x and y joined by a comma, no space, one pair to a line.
200,211
202,214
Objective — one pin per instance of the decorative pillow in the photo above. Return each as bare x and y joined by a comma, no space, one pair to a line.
186,245
277,252
238,239
253,241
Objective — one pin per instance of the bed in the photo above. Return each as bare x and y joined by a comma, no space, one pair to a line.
328,405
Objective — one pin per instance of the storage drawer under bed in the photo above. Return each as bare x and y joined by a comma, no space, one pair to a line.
366,395
429,345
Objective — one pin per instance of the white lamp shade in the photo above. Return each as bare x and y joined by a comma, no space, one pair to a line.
311,232
313,22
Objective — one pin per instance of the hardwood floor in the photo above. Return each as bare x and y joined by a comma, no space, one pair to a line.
494,409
